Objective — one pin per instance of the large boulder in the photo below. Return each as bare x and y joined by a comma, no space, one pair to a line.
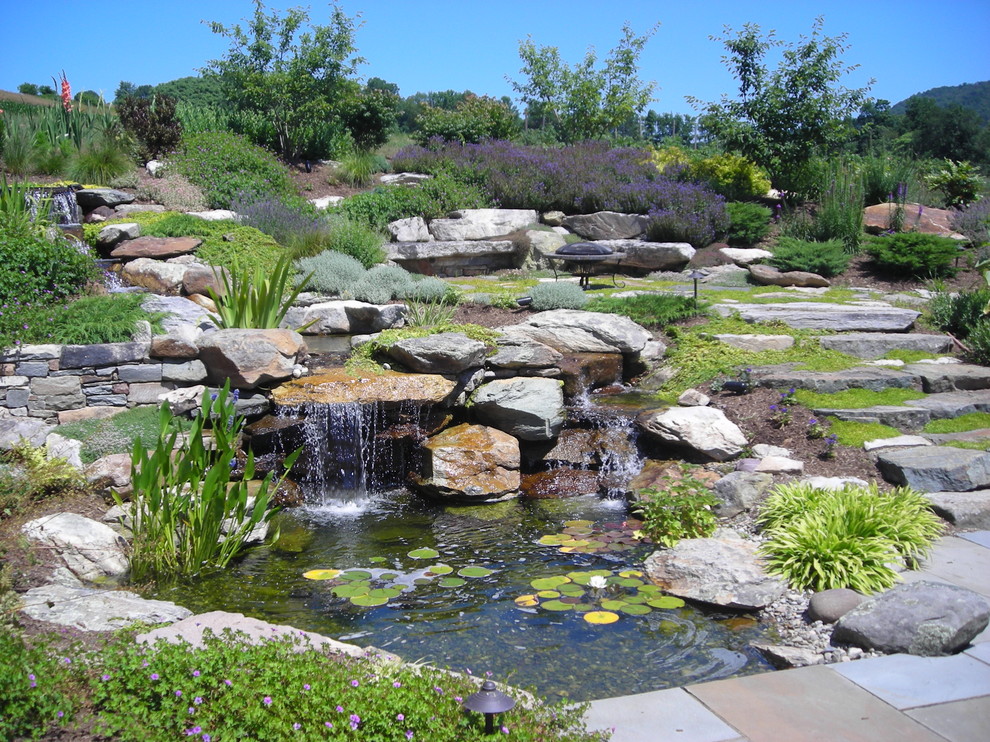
344,317
339,387
701,430
722,570
523,353
739,492
766,275
15,429
575,331
250,358
607,225
963,509
470,463
915,217
744,256
91,550
92,198
529,408
443,353
112,234
937,468
811,315
539,243
411,229
652,256
157,276
159,248
453,257
923,618
481,224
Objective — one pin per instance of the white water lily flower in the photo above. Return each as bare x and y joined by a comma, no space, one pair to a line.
597,581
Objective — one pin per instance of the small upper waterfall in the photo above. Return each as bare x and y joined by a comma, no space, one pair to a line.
60,203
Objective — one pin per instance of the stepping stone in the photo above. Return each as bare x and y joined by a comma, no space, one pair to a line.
757,343
871,345
903,418
901,441
937,469
905,681
962,509
937,377
663,714
830,382
156,247
947,405
983,434
809,315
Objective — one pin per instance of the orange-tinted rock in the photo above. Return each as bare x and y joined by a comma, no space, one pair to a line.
559,483
914,218
470,463
338,386
156,247
589,371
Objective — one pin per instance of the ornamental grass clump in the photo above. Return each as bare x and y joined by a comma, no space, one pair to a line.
254,300
820,539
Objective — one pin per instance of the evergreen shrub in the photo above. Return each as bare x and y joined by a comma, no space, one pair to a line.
914,254
748,223
824,258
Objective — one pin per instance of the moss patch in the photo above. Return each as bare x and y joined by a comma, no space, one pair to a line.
961,424
855,434
855,399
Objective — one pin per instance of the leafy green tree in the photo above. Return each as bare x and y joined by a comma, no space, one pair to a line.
783,118
476,118
124,90
587,100
934,131
27,88
370,117
296,78
46,90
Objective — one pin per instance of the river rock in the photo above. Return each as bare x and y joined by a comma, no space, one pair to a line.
828,606
702,430
766,275
529,408
91,609
923,618
406,179
784,657
607,225
155,275
481,224
739,492
250,358
443,353
693,398
576,331
91,550
470,463
723,571
937,468
652,256
810,315
159,248
344,317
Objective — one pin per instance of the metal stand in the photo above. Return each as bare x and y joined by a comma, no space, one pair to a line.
584,267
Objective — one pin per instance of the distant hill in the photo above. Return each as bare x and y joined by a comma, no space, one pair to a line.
30,100
972,95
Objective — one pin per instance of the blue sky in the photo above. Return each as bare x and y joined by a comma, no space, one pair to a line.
422,45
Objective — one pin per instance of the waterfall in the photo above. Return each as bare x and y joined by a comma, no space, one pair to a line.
353,449
61,205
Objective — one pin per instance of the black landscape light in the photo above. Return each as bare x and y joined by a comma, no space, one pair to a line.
489,701
695,275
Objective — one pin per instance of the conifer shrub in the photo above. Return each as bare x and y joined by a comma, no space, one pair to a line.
824,258
914,254
748,223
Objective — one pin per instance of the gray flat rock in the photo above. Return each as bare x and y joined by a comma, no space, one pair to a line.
92,609
962,509
937,468
905,418
953,404
830,382
873,317
938,377
871,345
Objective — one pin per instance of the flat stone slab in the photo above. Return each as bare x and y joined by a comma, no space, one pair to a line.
905,681
946,405
440,249
905,418
962,509
900,441
960,720
960,562
757,343
660,715
159,248
805,705
865,317
829,382
937,469
939,377
92,609
871,345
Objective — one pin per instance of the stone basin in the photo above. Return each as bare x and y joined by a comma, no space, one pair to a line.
339,387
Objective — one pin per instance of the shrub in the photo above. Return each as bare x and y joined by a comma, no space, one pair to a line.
748,223
383,283
183,225
822,539
281,217
973,221
650,310
34,269
824,258
689,214
226,166
978,342
341,234
430,289
958,182
473,120
331,272
683,508
886,178
432,199
173,191
153,122
557,295
957,313
732,176
914,254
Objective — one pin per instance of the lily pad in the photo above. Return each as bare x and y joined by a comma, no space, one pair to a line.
422,581
439,569
475,572
423,553
578,523
610,604
526,601
666,601
547,594
353,575
636,609
322,574
601,617
451,582
627,582
387,576
385,592
556,605
549,583
350,591
630,573
377,560
649,589
368,601
571,590
553,540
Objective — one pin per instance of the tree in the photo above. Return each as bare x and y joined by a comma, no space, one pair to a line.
377,83
951,132
475,119
124,90
297,79
88,97
370,117
27,88
783,118
586,100
46,90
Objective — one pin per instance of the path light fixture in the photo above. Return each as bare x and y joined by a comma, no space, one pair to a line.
489,701
695,275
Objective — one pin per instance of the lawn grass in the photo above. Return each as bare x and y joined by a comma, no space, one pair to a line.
961,424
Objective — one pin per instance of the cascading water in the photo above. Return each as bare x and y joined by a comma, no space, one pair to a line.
63,210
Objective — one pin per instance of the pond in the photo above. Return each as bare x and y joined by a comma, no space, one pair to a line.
473,622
